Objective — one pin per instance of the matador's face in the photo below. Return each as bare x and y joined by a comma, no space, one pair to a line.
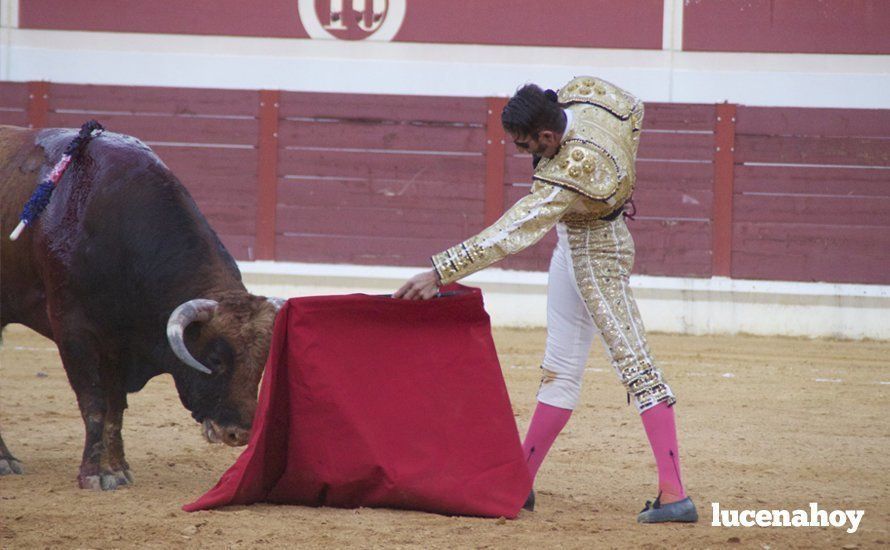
544,143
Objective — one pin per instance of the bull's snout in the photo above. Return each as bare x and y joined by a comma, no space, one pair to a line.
230,435
235,437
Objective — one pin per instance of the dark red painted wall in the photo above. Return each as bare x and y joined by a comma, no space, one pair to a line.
793,26
390,180
272,18
802,26
592,23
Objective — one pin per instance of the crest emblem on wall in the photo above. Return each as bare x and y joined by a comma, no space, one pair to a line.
377,20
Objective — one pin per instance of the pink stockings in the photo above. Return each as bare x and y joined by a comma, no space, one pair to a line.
546,424
661,430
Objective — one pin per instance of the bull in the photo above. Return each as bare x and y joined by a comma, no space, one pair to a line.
126,276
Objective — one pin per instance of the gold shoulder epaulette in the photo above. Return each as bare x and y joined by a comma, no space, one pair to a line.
589,89
583,167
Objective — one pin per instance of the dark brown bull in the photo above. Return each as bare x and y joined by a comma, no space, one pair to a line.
127,277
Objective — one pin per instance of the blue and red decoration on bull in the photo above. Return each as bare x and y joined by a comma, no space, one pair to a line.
40,198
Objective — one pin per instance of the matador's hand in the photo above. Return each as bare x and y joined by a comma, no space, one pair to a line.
422,286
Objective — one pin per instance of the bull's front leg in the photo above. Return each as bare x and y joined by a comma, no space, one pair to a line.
102,400
8,463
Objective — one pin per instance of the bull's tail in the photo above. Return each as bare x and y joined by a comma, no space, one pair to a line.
40,198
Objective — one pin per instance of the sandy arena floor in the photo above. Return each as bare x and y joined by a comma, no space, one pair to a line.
765,423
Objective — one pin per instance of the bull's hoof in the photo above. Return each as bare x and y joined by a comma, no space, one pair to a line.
106,481
9,466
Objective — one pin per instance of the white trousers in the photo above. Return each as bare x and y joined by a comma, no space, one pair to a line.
588,294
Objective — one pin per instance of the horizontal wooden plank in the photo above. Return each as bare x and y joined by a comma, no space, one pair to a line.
444,169
830,267
517,167
679,176
208,191
144,99
811,252
403,251
348,134
807,239
857,210
14,118
679,116
676,146
797,121
228,217
780,180
230,171
214,175
378,222
671,248
673,204
241,247
463,197
170,129
812,150
374,107
14,95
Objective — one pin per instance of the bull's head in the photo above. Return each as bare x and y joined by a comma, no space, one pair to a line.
227,341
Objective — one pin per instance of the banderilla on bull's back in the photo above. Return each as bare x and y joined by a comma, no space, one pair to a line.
40,198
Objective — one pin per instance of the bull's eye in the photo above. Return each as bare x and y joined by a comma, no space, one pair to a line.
214,363
218,355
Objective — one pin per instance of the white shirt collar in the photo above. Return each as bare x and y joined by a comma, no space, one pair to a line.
569,118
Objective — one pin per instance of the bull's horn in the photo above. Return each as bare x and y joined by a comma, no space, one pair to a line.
182,317
277,302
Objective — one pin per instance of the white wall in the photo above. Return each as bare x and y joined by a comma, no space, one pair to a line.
667,304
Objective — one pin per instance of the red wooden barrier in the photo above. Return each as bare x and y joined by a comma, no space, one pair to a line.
791,194
495,147
207,137
267,176
13,103
724,153
812,200
380,180
38,104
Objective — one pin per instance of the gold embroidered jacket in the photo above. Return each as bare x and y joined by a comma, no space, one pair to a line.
591,176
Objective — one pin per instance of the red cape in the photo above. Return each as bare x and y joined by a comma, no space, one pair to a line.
371,401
